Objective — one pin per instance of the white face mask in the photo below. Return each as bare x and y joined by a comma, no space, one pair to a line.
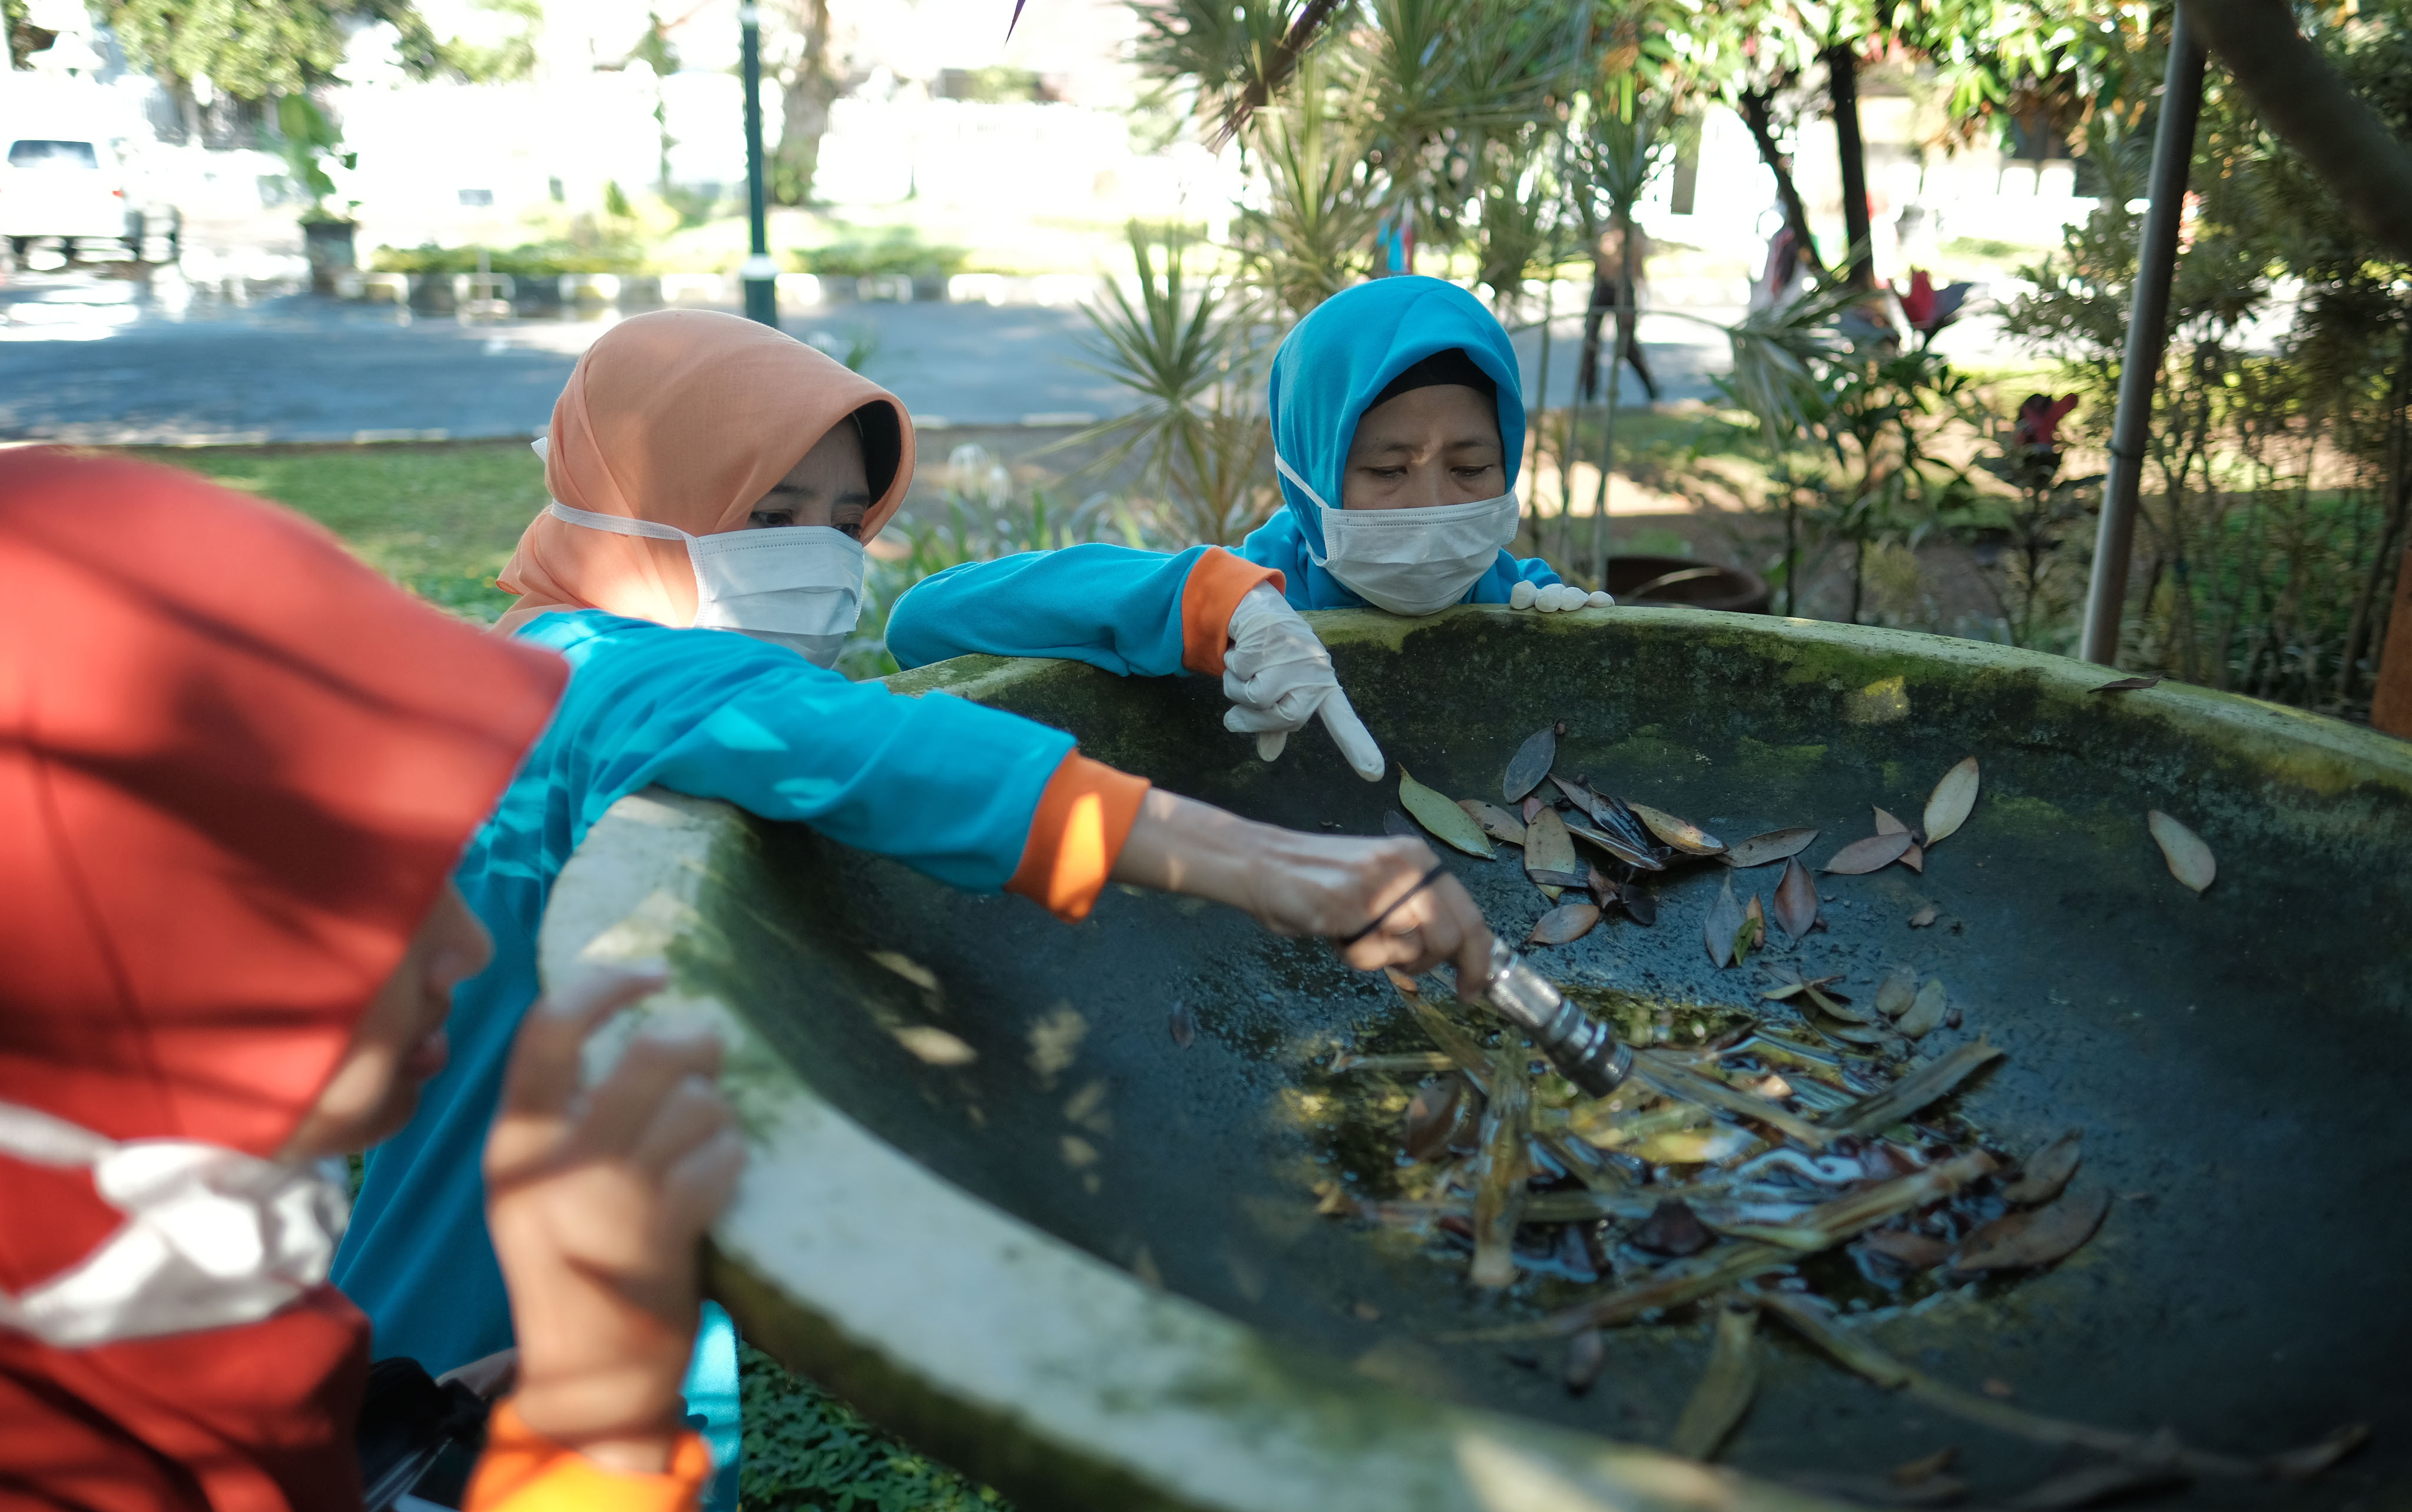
212,1236
1411,561
797,586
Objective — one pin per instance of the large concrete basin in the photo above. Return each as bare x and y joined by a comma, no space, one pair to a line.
996,1206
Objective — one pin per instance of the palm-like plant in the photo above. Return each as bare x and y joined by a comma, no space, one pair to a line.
1312,237
1193,350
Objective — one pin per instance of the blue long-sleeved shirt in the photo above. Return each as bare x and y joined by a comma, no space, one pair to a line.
707,712
1122,609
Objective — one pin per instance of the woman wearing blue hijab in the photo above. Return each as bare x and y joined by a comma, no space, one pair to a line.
1398,429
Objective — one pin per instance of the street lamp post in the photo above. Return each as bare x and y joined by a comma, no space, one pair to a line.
761,275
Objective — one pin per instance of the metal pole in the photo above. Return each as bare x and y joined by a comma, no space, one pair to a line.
761,275
2148,335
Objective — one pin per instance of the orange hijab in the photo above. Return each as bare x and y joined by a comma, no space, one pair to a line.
236,766
685,418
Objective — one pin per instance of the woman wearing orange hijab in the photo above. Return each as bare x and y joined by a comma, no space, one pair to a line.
236,770
710,472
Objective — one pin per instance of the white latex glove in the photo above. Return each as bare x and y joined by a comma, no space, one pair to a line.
1557,597
1278,676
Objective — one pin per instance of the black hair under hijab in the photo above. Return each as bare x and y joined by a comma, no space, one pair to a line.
883,445
1442,368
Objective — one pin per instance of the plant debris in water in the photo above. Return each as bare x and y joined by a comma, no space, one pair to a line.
1791,1155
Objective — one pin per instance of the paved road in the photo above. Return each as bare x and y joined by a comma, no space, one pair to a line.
101,361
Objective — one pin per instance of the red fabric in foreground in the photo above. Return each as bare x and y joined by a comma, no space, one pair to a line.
236,766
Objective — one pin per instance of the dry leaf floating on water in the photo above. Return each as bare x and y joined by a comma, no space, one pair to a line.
1443,817
1796,899
1682,834
1767,849
2190,860
1530,764
1563,924
1871,854
1955,797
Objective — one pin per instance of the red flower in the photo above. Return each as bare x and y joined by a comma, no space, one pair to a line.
1918,303
1929,309
2040,417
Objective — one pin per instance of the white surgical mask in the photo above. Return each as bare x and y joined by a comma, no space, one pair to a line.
1411,561
212,1236
797,586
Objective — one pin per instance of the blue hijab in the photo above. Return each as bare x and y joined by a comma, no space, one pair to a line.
1327,374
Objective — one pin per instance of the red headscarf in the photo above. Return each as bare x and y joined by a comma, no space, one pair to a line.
236,767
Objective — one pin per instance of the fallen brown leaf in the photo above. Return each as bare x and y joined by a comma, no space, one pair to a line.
1532,805
2190,860
1948,807
2128,685
1861,856
1563,924
1888,824
1897,992
1925,1014
1915,858
1725,922
1796,899
1771,847
1530,764
2042,1174
1754,919
1548,847
2022,1240
1681,833
1495,821
1919,1252
1638,902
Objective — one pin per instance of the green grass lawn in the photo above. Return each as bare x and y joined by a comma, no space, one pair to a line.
439,520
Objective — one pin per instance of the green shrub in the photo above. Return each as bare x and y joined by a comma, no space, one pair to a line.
899,251
533,259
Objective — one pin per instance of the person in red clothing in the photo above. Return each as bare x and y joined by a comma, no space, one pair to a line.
237,769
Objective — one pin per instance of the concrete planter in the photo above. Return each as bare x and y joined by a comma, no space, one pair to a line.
329,247
994,1205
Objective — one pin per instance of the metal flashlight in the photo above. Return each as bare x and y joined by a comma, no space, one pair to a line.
1581,1046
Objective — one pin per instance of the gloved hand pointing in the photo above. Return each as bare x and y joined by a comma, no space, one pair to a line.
1278,676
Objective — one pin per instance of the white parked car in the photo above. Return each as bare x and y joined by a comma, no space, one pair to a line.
72,192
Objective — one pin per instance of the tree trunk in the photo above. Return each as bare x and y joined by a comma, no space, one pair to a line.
1842,97
2306,104
810,91
1756,105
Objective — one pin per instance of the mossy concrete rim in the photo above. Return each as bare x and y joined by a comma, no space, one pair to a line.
1067,1383
2318,754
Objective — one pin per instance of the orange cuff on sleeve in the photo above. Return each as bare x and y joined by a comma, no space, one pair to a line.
522,1471
1215,588
1083,818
